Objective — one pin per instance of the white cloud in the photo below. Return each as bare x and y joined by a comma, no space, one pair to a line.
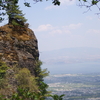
67,2
71,35
44,28
57,30
73,26
93,31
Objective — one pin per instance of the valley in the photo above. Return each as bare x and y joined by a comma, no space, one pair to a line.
75,86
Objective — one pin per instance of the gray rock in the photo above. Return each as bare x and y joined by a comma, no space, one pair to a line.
15,49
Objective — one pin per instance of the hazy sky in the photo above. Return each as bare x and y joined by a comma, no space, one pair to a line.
63,26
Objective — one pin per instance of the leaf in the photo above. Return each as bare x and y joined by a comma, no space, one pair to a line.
94,2
27,4
62,95
56,2
84,0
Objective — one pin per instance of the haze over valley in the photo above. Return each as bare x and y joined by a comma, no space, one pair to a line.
72,60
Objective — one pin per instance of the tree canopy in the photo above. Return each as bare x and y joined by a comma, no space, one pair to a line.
15,15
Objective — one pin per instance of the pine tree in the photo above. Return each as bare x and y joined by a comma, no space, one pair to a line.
15,15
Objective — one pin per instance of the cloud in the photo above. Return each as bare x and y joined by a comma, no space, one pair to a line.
57,31
67,2
93,31
64,3
73,26
51,7
89,17
46,27
54,30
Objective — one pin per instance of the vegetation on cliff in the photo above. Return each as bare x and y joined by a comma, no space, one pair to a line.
11,9
15,15
27,86
24,83
21,76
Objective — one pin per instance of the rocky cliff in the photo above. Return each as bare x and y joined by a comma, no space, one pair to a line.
18,46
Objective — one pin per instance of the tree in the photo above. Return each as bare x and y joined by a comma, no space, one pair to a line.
11,8
40,74
4,5
15,16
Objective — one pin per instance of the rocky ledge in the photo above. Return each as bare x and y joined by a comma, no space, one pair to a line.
18,47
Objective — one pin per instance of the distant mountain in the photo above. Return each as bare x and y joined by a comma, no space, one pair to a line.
71,55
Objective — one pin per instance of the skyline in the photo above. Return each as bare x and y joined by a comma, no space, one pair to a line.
63,26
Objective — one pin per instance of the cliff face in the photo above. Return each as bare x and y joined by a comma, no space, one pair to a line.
18,46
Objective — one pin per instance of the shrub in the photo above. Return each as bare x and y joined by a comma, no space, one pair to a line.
28,87
3,69
26,80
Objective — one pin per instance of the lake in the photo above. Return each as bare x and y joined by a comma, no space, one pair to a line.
73,68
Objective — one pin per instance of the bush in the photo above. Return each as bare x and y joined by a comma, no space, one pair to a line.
26,80
28,87
3,69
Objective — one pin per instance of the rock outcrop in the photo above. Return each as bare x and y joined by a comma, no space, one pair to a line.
18,47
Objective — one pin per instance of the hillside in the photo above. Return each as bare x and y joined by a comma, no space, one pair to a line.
18,58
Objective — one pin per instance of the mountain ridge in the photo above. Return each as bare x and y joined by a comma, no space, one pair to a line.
71,55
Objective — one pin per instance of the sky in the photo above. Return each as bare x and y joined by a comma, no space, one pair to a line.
64,26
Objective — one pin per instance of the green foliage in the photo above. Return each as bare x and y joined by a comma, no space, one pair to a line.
57,97
15,15
94,2
40,74
3,83
6,5
11,5
56,2
3,69
25,94
3,79
14,22
88,4
85,0
25,80
29,87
